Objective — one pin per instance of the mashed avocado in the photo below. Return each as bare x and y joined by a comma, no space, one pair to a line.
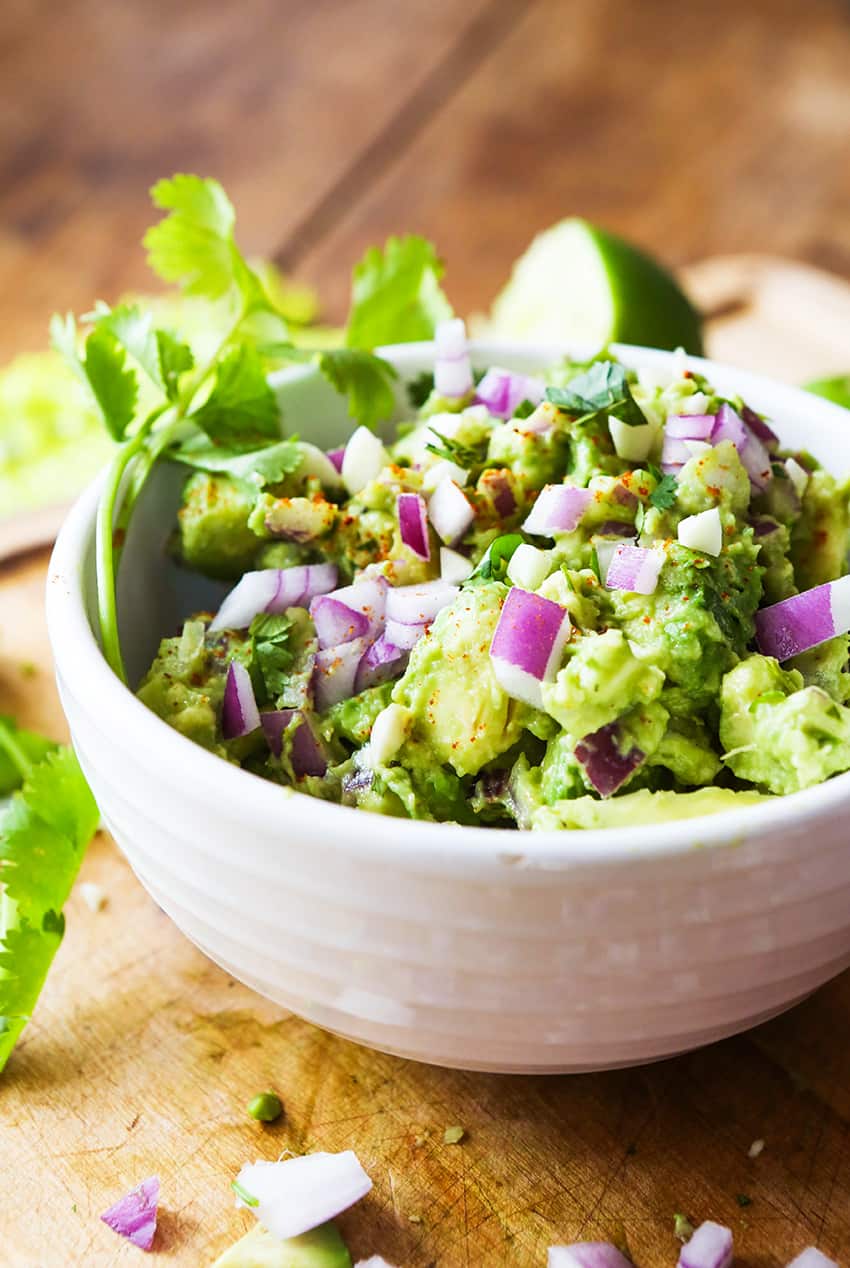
539,608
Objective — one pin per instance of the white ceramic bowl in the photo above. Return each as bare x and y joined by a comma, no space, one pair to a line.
469,947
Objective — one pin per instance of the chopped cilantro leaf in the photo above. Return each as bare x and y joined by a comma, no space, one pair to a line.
663,496
493,565
452,450
103,369
241,410
603,386
525,409
420,388
272,654
259,466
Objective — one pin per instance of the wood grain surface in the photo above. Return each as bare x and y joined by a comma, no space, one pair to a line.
711,127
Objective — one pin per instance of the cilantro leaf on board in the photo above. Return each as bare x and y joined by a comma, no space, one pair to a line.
396,295
602,386
44,830
241,411
366,380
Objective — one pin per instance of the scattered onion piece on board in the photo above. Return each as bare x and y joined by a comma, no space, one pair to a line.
239,712
134,1216
634,569
710,1247
413,523
297,1194
558,509
503,391
602,760
452,370
811,1257
794,625
374,1261
527,644
587,1255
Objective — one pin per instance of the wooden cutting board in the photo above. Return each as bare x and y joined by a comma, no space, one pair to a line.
142,1054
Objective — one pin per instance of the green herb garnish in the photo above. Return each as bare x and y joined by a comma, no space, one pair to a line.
603,386
225,404
44,830
663,496
682,1227
743,1199
396,295
493,565
272,655
525,409
452,450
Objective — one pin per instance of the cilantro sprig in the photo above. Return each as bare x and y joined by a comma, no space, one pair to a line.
44,830
156,401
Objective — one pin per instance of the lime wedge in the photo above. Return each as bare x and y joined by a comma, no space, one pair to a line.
835,389
581,285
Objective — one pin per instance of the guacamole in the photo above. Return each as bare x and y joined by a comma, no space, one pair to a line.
591,598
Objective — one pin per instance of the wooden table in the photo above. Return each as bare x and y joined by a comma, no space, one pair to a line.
696,129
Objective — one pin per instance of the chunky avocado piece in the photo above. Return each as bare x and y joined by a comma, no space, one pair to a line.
601,680
212,526
322,1247
462,717
535,458
686,751
819,538
827,666
635,808
778,733
352,719
714,478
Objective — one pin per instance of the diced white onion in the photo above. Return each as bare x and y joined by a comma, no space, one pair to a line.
363,460
529,566
444,470
798,475
388,734
702,532
454,568
633,444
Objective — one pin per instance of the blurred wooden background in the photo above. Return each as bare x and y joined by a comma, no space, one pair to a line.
697,128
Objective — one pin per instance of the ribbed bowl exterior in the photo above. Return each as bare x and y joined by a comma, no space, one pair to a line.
464,947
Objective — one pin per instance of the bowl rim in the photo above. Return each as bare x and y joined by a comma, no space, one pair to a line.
82,666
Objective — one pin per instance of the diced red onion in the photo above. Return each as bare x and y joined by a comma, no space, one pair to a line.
614,528
703,531
452,370
404,636
761,527
794,625
413,524
710,1247
811,1257
497,484
690,426
674,455
502,391
558,509
381,661
239,712
454,568
756,461
587,1255
759,428
134,1216
605,765
606,548
450,512
335,671
542,420
308,754
635,569
336,457
273,590
355,611
728,426
528,643
363,460
300,1193
624,496
418,604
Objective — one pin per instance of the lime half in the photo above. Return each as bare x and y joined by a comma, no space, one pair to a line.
579,284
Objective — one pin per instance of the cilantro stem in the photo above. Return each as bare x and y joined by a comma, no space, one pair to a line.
13,750
243,1194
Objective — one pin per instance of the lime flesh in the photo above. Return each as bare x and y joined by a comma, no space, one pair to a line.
578,284
835,389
